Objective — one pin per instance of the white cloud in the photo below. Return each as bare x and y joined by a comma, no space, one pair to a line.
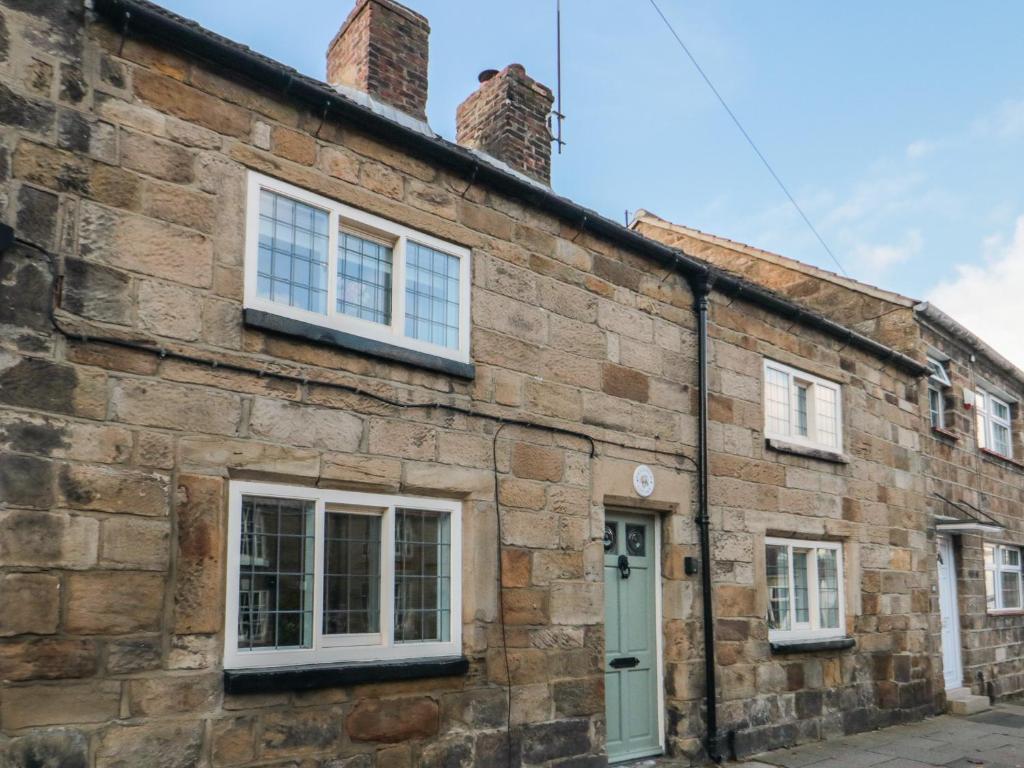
1005,122
878,257
922,148
987,297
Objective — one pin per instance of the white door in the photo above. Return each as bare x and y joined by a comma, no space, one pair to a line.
951,662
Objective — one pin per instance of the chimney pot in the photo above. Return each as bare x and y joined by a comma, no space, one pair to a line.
382,50
507,117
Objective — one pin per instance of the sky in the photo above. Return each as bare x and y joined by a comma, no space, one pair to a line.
898,127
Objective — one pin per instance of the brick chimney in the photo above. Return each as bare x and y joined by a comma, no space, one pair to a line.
381,49
507,118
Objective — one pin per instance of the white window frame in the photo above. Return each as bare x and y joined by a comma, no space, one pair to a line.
360,223
938,381
797,377
812,629
987,420
997,569
355,648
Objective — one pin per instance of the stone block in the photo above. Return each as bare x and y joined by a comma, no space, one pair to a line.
403,439
233,741
109,489
304,425
295,731
42,385
56,748
167,309
562,738
190,104
515,568
199,508
174,695
171,406
193,651
579,697
36,220
127,542
393,720
60,704
427,477
157,158
140,244
525,606
537,462
29,604
154,745
47,658
113,603
292,145
134,654
26,481
577,603
48,539
218,455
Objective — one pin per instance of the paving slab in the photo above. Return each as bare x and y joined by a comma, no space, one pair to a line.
992,739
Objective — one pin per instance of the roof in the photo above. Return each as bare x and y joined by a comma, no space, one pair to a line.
140,17
922,310
647,217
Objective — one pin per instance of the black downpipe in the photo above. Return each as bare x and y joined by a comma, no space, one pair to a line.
701,289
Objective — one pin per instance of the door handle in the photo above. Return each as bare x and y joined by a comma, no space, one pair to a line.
624,662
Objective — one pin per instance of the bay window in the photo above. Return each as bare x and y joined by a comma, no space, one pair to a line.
805,589
322,263
1003,587
318,576
801,408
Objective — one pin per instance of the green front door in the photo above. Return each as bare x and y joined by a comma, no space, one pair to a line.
630,662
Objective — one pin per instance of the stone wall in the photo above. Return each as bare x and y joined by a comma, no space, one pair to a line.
123,168
992,645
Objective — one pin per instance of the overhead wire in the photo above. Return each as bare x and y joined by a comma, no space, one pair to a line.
746,135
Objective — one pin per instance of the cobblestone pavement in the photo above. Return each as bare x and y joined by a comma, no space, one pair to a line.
993,739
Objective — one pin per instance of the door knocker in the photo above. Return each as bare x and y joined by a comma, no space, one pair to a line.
624,566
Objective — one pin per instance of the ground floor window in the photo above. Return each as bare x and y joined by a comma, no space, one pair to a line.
323,576
805,589
1003,578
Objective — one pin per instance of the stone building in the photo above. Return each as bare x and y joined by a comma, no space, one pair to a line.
329,442
972,442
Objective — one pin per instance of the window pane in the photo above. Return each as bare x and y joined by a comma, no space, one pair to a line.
1000,410
364,278
778,587
1010,584
828,588
351,573
422,576
432,296
1000,439
776,402
935,406
801,409
292,262
801,614
275,588
1011,556
827,416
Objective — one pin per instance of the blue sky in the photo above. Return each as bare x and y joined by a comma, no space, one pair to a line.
898,126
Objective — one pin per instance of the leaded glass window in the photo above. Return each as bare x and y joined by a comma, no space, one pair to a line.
364,278
431,296
292,266
422,576
801,407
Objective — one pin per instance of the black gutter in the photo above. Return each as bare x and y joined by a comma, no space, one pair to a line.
701,288
141,17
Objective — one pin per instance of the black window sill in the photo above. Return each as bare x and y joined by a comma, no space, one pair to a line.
784,446
809,646
266,321
314,676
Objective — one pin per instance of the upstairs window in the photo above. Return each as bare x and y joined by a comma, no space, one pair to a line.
938,381
805,589
993,415
802,408
1003,588
320,576
323,263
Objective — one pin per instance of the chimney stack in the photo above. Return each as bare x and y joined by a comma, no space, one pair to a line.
381,50
507,117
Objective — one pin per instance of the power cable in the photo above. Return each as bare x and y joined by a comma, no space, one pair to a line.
746,136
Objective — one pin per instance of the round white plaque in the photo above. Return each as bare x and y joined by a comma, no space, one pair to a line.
643,480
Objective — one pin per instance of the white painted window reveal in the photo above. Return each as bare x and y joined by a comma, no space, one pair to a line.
805,589
802,408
